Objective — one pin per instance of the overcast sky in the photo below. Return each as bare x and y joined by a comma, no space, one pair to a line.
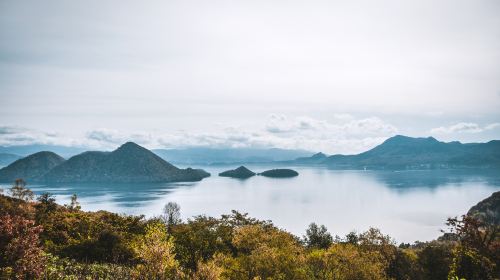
331,76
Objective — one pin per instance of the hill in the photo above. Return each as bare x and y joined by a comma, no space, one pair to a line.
241,172
402,152
30,168
129,163
488,210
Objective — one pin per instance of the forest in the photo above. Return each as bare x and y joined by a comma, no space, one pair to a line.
40,239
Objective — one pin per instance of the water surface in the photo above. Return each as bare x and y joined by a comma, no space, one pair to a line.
409,205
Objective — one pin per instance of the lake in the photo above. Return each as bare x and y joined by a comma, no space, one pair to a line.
407,205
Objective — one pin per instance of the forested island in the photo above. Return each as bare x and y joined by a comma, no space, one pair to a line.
240,173
244,173
128,163
279,173
40,239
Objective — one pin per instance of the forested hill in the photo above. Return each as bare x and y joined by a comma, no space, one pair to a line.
129,163
31,167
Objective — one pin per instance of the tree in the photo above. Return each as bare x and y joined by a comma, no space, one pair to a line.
156,251
435,259
318,237
46,205
74,204
19,190
478,251
208,271
264,252
345,261
171,215
352,238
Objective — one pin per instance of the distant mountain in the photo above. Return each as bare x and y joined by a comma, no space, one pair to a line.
25,150
314,159
129,163
487,210
6,159
241,173
402,152
30,168
208,156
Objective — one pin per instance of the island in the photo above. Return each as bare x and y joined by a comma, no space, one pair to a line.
279,173
241,173
130,163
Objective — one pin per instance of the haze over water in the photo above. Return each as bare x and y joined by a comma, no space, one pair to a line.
408,205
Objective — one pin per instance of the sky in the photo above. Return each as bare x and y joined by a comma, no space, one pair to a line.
330,76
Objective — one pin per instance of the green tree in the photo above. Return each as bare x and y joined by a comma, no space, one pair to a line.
468,263
405,266
478,252
45,206
265,253
155,249
318,237
345,262
435,259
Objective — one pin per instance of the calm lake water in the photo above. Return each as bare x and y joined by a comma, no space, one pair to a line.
409,205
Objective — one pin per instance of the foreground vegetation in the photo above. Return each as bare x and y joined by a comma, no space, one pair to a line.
42,240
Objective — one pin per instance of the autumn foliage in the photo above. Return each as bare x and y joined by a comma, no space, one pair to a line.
43,240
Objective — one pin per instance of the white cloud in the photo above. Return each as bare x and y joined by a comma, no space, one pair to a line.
464,127
14,135
341,134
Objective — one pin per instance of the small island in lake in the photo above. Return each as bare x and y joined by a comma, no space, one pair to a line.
241,173
279,173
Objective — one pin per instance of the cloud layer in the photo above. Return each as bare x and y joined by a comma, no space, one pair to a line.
464,127
343,134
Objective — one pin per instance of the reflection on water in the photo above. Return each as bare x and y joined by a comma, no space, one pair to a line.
433,179
409,205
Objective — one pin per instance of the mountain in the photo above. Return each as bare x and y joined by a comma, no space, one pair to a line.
129,163
208,156
30,168
6,159
25,150
402,152
487,210
241,172
317,158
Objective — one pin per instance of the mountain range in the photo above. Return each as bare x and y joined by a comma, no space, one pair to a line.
184,156
133,163
403,152
216,156
129,163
